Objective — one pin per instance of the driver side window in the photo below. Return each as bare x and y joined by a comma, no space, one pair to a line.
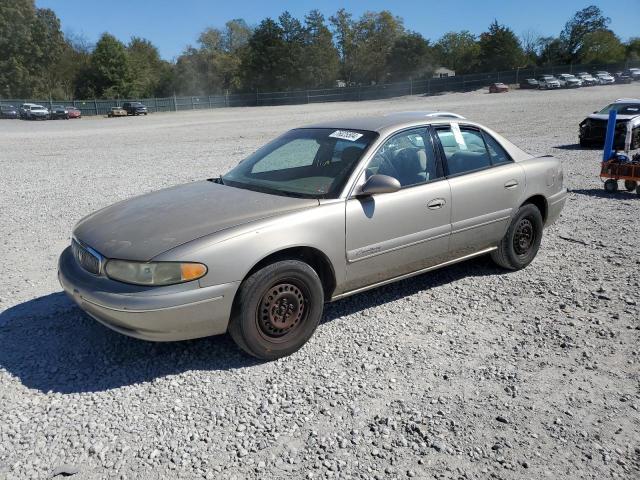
407,156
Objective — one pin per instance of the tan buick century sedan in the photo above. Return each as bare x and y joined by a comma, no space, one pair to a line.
319,213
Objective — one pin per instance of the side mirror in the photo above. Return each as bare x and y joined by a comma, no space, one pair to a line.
380,184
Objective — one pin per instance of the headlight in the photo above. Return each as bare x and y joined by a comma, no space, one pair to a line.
154,273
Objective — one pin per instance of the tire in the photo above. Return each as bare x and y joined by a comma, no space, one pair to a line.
286,294
630,185
611,185
520,245
638,190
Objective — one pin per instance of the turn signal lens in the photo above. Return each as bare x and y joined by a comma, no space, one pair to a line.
192,271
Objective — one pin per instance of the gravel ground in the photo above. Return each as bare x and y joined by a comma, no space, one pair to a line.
467,372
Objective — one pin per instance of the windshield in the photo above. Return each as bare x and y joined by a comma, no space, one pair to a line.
622,108
306,162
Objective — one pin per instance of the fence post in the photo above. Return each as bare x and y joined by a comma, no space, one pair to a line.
193,107
428,86
257,98
307,96
155,101
95,106
410,86
226,98
209,101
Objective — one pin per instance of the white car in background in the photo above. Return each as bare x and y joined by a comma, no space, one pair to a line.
33,111
605,78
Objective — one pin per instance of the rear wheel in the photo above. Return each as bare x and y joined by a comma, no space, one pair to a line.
611,185
277,309
520,245
630,185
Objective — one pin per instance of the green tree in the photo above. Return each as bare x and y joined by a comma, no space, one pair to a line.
552,51
633,49
458,51
499,49
410,56
376,34
585,21
321,60
31,44
601,46
344,31
293,61
111,70
265,61
147,68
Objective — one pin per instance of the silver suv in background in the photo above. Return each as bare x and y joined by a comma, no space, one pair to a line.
548,81
570,81
33,111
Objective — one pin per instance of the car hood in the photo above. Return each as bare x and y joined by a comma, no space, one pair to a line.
146,226
605,116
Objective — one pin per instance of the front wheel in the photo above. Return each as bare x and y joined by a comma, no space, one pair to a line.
277,309
519,246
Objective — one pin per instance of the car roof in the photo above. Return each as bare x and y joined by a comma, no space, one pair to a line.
394,120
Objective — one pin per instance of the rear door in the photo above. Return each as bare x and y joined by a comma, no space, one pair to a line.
486,187
388,235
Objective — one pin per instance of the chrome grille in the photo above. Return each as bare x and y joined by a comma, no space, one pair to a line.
88,259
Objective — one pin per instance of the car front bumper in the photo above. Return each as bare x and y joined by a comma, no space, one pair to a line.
176,312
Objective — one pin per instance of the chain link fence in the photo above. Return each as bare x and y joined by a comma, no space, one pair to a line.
431,86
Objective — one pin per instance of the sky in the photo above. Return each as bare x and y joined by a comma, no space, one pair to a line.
173,24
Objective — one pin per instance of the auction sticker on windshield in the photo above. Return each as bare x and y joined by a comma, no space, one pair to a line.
346,135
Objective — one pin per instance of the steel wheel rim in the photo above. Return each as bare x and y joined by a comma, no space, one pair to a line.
524,237
283,308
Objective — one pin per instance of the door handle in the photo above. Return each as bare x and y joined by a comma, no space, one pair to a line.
511,184
436,203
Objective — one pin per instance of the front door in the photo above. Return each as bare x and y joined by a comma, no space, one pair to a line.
388,235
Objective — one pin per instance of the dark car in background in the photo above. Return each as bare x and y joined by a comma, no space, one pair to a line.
58,112
134,108
593,129
8,111
529,83
634,73
621,77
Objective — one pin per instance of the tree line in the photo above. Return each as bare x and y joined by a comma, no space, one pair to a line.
287,53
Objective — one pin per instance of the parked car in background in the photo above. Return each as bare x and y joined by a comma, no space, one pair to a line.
134,108
529,83
33,111
634,73
570,81
605,78
547,82
59,112
117,112
588,80
593,129
74,112
498,87
621,77
8,111
318,214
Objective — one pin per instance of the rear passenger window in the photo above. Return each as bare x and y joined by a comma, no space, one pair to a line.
464,149
497,153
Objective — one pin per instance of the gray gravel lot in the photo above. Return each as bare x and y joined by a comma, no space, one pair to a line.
467,372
